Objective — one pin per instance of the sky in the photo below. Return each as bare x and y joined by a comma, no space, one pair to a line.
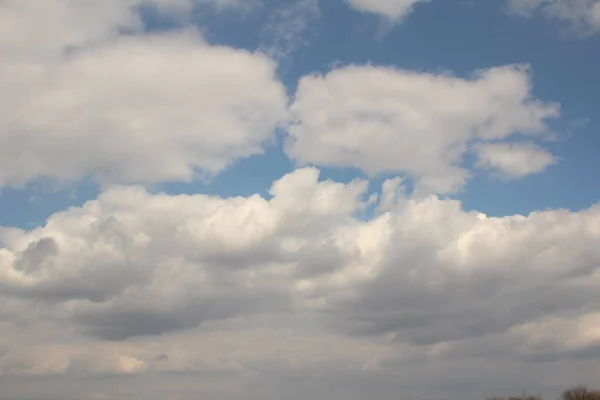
293,199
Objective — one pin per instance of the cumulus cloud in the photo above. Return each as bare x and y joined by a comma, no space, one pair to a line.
513,160
391,9
134,108
583,16
295,284
382,119
35,31
446,275
131,263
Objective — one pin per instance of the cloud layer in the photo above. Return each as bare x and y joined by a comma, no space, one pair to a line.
318,288
295,283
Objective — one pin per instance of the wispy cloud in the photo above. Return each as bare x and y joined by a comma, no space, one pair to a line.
290,27
582,16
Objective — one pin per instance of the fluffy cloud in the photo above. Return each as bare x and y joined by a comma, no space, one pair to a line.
513,160
420,124
141,108
392,9
296,285
31,30
582,15
445,275
131,263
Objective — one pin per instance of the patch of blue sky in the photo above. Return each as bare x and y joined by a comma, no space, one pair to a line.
30,206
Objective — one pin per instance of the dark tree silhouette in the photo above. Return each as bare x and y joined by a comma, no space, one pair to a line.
580,393
575,393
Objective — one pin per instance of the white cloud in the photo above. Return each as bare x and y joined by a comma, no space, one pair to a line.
513,160
388,120
296,285
141,108
445,275
34,31
392,9
583,16
132,263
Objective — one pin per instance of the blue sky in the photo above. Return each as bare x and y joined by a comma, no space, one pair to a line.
290,199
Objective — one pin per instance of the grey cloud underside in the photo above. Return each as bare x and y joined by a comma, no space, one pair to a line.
460,310
123,324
